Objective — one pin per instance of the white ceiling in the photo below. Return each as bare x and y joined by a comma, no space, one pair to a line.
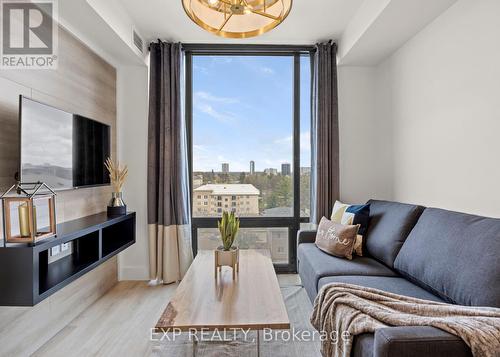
392,24
367,31
309,21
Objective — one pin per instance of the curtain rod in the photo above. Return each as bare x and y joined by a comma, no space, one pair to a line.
242,48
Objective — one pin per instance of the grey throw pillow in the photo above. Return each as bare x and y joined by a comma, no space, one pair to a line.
336,239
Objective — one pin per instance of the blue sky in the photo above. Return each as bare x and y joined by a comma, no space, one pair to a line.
243,110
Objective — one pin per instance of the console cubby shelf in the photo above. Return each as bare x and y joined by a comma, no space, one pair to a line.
26,274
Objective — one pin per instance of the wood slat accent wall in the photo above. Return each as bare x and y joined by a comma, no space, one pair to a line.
85,84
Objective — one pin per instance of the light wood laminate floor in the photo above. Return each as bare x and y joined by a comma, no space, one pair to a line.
119,323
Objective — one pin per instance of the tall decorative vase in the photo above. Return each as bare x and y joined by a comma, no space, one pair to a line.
117,206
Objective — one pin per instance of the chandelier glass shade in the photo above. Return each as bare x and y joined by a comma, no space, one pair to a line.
237,18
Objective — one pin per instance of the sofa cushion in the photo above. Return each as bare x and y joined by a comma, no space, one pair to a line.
313,264
353,214
336,239
455,255
390,224
395,285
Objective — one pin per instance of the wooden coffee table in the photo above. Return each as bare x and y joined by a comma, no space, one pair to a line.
203,303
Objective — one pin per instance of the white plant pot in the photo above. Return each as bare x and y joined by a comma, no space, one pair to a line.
226,258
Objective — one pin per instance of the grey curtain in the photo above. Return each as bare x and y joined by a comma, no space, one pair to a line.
325,132
170,252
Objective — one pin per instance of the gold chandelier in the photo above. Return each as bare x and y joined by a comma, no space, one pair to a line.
237,18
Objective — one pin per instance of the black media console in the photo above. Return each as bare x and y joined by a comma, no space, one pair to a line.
26,274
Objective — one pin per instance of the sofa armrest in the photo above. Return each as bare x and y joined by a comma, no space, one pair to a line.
306,236
418,341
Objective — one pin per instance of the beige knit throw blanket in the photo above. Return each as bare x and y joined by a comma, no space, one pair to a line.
345,307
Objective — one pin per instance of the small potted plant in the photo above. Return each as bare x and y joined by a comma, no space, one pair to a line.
226,254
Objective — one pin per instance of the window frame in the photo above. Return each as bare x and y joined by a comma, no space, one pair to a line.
292,222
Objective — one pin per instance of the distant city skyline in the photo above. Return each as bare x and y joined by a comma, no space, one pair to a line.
303,170
286,169
271,171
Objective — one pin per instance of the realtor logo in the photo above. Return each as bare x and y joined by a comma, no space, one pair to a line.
29,34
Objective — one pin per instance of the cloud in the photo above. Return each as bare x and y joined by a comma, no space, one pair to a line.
209,97
224,117
202,148
285,141
266,70
221,59
256,66
201,69
305,140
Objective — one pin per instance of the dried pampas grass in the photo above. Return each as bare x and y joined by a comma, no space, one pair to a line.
117,174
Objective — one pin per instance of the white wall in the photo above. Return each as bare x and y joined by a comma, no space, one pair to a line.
365,156
440,94
132,123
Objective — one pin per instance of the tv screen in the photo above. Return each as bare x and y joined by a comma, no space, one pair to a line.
63,150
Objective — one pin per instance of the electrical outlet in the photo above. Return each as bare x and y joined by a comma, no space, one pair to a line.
64,247
55,250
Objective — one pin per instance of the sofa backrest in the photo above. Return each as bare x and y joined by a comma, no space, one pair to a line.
390,224
454,255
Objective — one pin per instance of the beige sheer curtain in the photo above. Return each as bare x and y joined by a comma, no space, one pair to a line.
170,251
325,132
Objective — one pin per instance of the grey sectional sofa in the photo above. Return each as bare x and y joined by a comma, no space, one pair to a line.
415,251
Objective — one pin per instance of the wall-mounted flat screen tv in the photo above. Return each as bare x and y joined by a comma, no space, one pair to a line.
63,150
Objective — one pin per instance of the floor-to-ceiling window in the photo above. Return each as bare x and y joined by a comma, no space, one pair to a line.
249,117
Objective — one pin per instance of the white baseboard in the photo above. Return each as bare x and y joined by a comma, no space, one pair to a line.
133,273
